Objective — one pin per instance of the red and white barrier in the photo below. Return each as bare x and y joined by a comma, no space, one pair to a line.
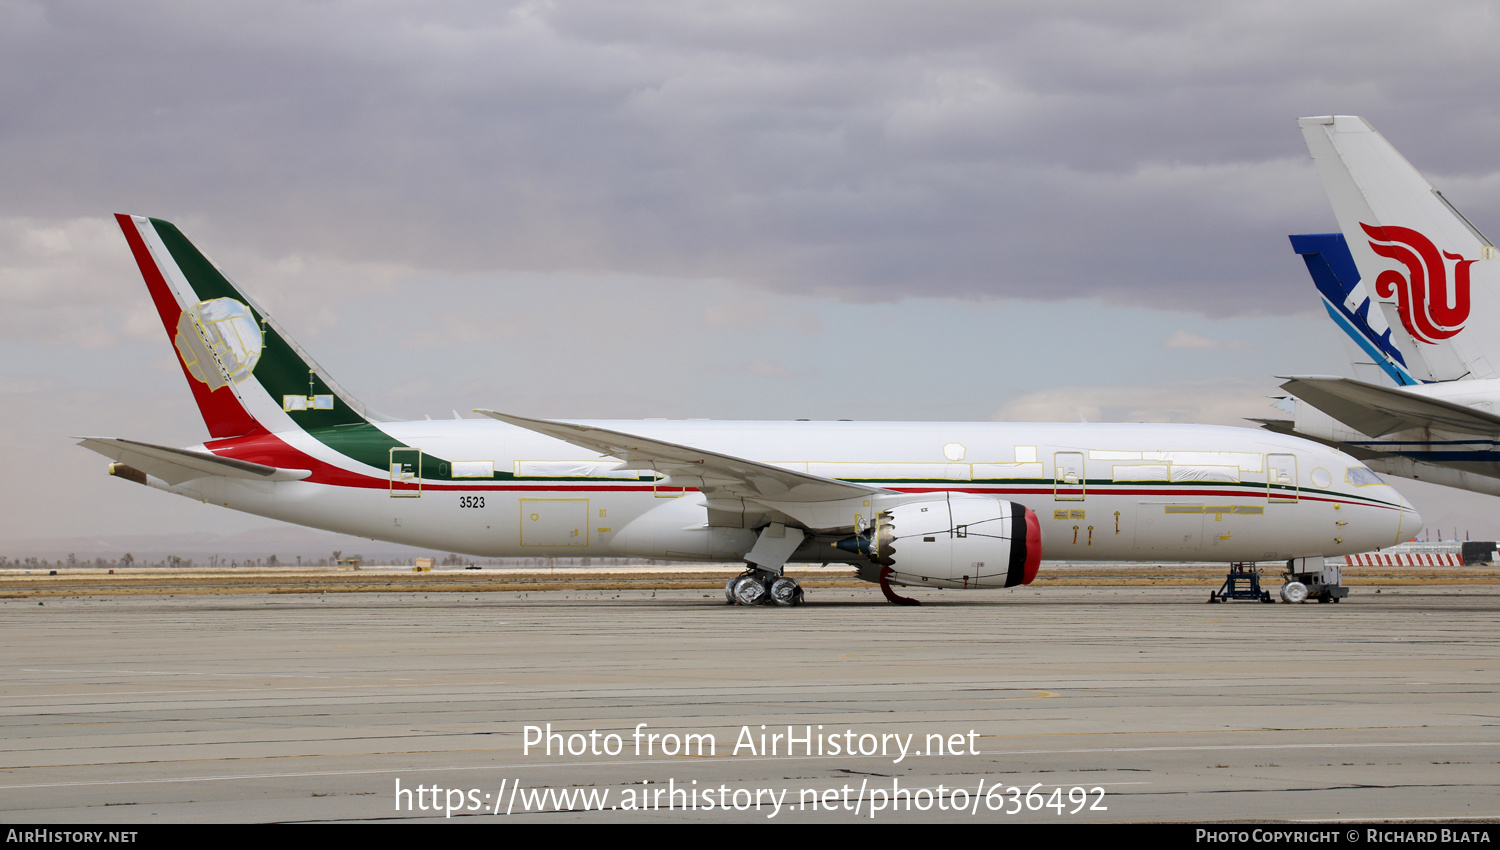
1377,559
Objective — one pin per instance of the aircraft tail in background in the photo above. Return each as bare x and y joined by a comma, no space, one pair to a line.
1410,282
1409,270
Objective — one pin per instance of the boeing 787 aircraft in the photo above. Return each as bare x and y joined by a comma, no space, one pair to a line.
1412,283
926,504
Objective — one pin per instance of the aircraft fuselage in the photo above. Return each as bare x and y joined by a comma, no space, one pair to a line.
1100,491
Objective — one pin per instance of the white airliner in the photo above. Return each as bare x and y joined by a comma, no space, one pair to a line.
956,505
1402,281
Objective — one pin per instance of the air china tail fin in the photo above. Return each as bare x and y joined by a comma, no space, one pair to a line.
1411,270
245,373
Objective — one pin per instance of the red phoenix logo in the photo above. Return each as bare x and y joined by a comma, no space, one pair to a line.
1429,310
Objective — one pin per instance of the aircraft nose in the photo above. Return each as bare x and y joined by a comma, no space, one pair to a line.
1410,523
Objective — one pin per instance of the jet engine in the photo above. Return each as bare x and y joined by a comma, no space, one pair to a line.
962,540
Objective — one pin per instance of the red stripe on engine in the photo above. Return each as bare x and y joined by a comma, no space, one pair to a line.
1033,547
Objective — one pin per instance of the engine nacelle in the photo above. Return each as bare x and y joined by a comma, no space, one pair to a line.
959,541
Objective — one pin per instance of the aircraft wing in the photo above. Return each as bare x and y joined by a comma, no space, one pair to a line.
685,466
175,466
1378,411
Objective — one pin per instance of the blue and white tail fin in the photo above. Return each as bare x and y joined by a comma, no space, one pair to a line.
1409,270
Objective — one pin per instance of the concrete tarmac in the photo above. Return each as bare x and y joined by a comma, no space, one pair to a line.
1095,704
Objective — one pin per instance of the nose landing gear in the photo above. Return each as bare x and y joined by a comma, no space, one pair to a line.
1306,578
1317,578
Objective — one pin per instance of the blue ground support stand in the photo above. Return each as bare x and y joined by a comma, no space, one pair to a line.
1243,582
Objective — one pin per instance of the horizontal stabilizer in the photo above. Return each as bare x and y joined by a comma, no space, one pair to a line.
175,466
1287,427
687,466
1378,411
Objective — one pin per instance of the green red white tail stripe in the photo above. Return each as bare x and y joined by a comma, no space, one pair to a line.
249,378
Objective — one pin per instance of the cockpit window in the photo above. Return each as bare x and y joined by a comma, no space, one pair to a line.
1361,476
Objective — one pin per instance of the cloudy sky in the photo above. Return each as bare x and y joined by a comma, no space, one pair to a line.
866,210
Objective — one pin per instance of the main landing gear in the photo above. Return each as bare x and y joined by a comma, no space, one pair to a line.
763,582
760,587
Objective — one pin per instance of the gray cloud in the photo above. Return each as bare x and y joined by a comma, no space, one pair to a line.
697,197
868,150
1204,402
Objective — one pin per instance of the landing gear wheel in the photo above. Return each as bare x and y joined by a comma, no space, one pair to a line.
729,590
1294,592
748,590
786,591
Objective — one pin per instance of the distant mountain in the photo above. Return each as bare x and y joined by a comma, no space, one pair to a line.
285,542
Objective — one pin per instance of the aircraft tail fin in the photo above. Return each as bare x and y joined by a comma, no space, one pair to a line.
244,371
1420,264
